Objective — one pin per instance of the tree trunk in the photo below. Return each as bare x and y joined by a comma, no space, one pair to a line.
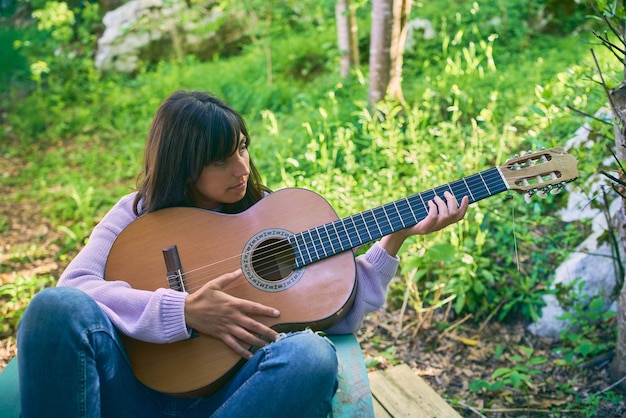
401,12
618,366
355,60
380,44
343,36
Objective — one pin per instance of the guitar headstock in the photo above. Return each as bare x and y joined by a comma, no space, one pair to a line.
540,172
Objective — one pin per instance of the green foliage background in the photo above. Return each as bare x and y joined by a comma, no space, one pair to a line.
496,80
499,78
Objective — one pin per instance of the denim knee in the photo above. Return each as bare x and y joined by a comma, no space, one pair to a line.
317,356
56,310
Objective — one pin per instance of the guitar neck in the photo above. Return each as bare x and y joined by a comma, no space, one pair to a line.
353,231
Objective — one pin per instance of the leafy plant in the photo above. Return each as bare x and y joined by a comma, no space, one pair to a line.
519,374
590,328
15,296
59,52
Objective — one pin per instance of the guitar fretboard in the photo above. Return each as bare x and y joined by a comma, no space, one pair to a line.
345,234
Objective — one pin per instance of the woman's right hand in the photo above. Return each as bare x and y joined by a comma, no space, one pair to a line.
210,310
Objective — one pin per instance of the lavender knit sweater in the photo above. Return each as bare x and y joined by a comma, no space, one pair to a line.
158,316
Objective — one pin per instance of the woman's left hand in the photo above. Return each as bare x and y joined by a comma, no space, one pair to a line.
440,214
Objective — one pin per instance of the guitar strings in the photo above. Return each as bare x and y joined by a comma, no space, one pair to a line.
274,254
264,260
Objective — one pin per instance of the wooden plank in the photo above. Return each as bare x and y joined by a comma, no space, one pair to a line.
403,394
379,410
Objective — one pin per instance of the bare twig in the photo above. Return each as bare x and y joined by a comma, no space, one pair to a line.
493,312
613,178
612,386
617,33
529,410
453,326
471,408
621,167
587,115
603,83
610,45
617,190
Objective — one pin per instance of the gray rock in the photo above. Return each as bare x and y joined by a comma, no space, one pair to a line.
149,31
593,260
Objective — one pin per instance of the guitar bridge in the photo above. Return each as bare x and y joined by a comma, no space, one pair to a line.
175,277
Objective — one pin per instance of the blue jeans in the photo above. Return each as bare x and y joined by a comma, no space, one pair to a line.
73,364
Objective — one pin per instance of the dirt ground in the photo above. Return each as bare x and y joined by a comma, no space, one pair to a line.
450,353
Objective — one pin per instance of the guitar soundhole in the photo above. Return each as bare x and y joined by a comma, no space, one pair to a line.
273,260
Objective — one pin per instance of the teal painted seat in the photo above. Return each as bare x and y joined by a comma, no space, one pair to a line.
10,391
353,398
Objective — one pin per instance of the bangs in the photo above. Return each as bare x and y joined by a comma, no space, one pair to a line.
218,137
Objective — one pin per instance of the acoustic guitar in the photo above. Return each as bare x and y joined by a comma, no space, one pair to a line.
295,256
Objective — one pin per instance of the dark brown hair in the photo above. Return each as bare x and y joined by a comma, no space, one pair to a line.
190,130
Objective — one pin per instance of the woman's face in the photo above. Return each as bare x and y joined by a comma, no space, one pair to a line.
223,181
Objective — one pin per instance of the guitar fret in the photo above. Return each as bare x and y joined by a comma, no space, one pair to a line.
318,243
462,190
309,247
359,240
351,230
306,247
341,246
369,234
427,196
370,217
357,228
408,203
439,191
347,233
405,213
485,183
480,188
416,202
423,203
330,240
380,230
457,194
300,244
322,241
387,217
385,229
399,215
471,195
323,247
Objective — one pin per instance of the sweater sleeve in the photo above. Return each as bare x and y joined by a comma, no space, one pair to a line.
374,271
153,316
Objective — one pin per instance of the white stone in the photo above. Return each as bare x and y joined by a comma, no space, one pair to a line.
154,30
592,261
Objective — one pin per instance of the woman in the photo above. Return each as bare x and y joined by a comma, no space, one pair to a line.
71,359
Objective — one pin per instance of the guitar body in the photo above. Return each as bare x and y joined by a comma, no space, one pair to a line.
211,244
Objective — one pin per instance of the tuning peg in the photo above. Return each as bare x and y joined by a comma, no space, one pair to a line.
556,189
528,197
541,193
